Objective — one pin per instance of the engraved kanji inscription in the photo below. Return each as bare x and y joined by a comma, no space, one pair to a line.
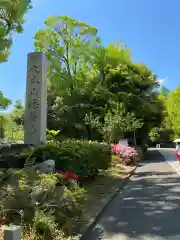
33,116
33,103
36,99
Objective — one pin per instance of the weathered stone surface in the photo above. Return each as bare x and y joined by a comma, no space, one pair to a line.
12,233
36,99
44,167
47,166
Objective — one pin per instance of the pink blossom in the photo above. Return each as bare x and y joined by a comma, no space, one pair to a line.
124,152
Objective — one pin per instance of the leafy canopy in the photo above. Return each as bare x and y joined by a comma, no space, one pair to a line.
173,109
4,102
11,20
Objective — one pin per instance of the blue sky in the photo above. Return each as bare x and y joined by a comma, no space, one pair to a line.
151,28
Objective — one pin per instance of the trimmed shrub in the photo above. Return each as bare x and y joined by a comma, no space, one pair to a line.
82,157
85,158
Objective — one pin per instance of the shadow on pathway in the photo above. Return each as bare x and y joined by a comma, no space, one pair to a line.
148,206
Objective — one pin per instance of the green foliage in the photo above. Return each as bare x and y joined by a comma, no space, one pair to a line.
11,20
116,122
11,124
14,156
154,134
4,102
18,113
66,42
82,157
44,224
12,131
164,92
51,134
2,122
173,108
84,77
43,202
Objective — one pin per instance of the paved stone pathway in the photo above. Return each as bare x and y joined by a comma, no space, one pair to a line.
169,157
148,207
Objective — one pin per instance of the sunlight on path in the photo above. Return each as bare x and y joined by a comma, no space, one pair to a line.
168,155
152,196
142,237
98,234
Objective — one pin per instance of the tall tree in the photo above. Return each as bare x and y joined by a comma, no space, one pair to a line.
66,42
4,102
11,20
85,78
173,109
18,113
164,91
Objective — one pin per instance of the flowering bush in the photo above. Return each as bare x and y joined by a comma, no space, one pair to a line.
127,154
68,175
74,158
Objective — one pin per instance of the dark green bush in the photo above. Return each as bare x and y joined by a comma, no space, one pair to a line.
82,157
14,155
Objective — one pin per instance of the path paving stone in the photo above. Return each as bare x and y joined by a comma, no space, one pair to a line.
147,208
169,157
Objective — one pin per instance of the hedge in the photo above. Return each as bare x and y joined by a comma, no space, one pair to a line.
82,157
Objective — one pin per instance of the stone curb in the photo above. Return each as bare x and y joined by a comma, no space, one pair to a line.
103,208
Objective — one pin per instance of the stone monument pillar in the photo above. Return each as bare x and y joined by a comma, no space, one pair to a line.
36,99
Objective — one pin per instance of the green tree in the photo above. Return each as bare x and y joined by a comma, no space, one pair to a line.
117,122
154,134
173,109
66,42
164,91
134,85
112,55
18,113
11,20
85,77
4,102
